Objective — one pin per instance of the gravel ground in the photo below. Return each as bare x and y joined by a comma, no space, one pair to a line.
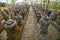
29,32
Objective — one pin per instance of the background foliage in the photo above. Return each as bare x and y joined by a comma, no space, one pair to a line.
2,4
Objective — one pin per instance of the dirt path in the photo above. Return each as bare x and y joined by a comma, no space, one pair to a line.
29,29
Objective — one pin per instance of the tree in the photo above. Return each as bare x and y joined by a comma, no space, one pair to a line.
2,4
55,4
13,2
